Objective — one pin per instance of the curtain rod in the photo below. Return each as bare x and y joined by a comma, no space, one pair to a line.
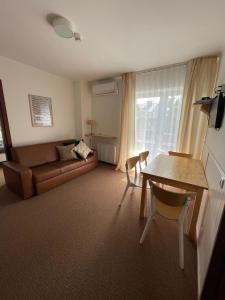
176,64
162,67
155,69
170,66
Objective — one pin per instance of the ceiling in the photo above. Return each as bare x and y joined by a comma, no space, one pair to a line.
119,35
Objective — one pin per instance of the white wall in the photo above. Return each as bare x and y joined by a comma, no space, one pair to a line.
216,138
106,110
86,106
78,110
18,81
83,111
213,202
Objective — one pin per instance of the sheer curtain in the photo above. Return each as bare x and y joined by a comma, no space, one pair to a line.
159,96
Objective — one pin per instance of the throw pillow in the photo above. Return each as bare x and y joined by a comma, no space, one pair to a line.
75,142
82,149
66,152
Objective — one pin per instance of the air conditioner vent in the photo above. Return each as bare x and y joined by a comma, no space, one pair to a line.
105,88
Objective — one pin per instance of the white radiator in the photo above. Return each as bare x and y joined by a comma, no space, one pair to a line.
107,152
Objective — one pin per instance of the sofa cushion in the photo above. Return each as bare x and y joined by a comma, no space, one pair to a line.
68,166
36,155
77,163
54,169
91,157
83,150
71,165
50,170
66,152
46,171
75,142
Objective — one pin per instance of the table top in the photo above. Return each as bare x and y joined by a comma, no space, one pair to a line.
180,169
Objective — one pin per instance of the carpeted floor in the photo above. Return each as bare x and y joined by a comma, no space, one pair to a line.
74,243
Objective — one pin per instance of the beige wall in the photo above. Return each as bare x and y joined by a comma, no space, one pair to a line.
86,105
216,138
106,110
83,111
213,201
18,81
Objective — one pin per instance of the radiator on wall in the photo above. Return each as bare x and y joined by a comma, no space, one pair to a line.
107,152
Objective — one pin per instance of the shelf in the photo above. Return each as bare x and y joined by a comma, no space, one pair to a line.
205,103
208,101
102,136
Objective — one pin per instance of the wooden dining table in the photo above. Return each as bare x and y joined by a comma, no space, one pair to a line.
179,172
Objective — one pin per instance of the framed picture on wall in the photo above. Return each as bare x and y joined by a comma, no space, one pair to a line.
41,111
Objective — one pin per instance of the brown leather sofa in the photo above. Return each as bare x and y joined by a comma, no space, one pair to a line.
36,169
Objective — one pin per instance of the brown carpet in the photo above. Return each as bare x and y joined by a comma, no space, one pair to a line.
74,243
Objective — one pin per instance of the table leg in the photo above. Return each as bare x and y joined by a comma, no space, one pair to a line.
192,229
143,197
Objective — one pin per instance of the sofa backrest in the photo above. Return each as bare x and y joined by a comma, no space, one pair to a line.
36,155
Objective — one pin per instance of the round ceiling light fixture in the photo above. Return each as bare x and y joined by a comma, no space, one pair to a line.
64,28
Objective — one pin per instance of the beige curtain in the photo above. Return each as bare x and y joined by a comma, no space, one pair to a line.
127,132
200,82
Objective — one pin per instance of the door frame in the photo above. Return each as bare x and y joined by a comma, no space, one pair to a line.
5,124
214,285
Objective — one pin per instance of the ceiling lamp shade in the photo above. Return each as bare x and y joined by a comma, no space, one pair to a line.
63,27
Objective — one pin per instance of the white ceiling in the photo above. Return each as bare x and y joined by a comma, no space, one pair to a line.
119,35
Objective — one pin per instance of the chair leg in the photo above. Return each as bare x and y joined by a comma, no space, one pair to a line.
132,191
124,195
181,235
181,245
146,228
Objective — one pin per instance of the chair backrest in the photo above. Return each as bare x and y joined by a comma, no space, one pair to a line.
172,153
167,197
130,164
143,158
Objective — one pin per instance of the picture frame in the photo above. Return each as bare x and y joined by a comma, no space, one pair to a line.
41,111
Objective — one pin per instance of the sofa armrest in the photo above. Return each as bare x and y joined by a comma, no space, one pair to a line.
18,178
95,154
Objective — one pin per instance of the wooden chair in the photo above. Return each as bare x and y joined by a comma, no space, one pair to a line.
143,159
172,153
170,205
135,181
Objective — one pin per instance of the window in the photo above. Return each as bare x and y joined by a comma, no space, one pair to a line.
159,96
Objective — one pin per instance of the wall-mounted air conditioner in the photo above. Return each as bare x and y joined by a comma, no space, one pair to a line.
105,88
